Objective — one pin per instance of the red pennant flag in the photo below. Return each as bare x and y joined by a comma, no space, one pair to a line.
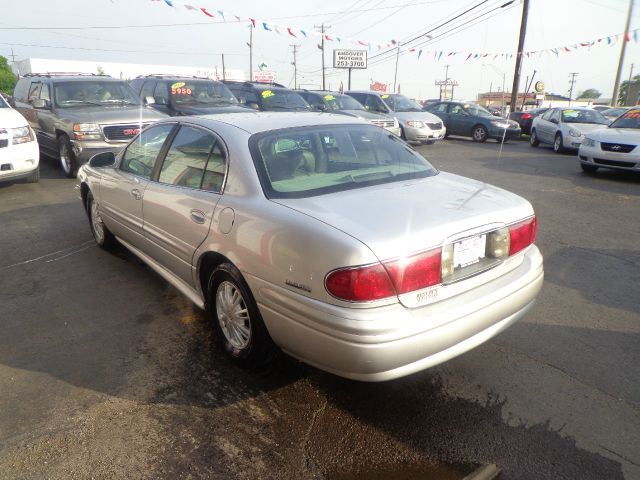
627,38
253,22
362,43
204,10
328,38
468,57
566,49
290,32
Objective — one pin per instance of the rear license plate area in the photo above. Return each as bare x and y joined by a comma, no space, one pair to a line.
469,251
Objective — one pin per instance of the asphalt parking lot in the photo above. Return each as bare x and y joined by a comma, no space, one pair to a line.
108,372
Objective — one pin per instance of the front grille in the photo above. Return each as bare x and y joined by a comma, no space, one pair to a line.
614,163
616,147
4,143
435,125
122,132
383,123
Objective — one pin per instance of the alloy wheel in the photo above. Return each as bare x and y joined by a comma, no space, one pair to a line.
233,315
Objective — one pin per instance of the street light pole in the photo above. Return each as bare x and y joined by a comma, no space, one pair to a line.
616,85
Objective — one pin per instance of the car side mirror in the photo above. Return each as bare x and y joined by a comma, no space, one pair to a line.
149,100
253,105
104,159
41,104
554,120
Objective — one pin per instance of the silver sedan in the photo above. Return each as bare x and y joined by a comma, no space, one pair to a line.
321,235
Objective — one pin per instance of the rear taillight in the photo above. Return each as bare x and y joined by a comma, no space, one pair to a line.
522,234
526,116
383,280
404,275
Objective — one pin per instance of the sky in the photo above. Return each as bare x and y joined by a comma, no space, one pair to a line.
152,32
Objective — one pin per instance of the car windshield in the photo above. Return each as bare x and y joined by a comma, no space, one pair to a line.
614,112
341,102
477,110
307,161
630,119
583,116
280,99
400,103
205,92
3,104
93,92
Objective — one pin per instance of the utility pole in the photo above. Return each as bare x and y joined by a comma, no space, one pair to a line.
295,66
626,96
250,45
516,73
322,28
395,75
224,72
616,85
573,76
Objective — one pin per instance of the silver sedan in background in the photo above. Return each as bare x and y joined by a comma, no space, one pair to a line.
319,234
564,128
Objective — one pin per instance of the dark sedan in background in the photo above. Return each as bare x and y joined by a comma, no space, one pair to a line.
472,120
525,119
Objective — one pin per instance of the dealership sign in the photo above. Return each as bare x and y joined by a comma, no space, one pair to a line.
349,59
264,76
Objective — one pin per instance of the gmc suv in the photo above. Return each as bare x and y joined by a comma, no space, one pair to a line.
78,115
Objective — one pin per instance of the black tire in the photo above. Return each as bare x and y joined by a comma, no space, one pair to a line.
557,143
101,234
533,139
430,142
239,327
586,168
479,134
68,160
34,177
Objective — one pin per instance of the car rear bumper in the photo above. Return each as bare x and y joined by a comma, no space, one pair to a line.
498,133
383,343
597,157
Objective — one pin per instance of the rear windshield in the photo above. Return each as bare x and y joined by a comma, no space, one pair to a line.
75,94
201,92
583,116
307,161
342,102
630,119
277,99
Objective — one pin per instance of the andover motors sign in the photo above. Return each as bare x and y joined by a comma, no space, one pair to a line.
349,59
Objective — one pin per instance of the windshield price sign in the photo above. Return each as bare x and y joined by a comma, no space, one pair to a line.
349,59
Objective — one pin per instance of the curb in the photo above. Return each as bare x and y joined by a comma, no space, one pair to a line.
487,472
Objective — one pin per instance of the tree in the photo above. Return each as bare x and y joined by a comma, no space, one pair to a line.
590,93
7,79
624,88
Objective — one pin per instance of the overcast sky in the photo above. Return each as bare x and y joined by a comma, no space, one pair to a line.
551,23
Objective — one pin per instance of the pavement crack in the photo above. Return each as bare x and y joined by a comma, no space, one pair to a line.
626,459
630,403
308,463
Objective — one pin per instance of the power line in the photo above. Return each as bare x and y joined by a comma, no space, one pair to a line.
115,50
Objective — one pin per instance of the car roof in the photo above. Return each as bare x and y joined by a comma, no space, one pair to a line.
256,85
255,122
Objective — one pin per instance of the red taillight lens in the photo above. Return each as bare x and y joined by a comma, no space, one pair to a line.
522,234
526,116
360,284
416,272
396,277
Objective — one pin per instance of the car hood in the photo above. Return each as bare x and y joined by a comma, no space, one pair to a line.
617,135
420,116
584,128
210,109
9,118
423,213
107,115
365,114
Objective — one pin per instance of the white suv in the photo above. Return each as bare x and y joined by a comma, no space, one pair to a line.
19,153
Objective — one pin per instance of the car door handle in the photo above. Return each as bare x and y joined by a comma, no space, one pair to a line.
198,216
135,193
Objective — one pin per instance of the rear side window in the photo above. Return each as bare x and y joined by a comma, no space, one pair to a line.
141,154
187,161
438,108
161,93
34,91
